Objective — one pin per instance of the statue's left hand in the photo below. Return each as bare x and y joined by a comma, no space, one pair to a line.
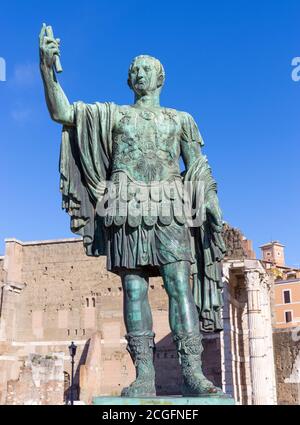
214,214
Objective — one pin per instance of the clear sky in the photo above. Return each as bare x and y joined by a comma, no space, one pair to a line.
228,63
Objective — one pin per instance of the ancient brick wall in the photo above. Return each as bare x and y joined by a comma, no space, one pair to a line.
287,363
53,294
40,382
69,295
63,295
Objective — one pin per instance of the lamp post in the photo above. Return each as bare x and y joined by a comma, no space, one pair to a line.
72,351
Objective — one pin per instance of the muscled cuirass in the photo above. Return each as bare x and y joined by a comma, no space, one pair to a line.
146,143
146,180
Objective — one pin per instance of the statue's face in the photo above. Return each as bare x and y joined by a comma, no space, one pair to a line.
143,76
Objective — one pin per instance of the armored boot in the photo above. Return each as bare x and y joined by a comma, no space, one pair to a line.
189,348
141,349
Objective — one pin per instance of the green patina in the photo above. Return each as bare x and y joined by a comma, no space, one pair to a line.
141,145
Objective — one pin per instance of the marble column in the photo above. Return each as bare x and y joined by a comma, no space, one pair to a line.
226,337
266,284
257,348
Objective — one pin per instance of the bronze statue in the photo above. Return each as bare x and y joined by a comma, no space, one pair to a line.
130,154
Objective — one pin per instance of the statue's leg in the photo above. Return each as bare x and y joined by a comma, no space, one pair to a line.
183,316
136,307
184,323
140,337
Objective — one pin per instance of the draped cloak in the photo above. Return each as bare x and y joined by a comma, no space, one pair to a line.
85,167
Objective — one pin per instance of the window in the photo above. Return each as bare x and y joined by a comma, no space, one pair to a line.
287,296
87,302
288,316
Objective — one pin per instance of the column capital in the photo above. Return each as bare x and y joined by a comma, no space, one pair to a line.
252,279
257,279
266,281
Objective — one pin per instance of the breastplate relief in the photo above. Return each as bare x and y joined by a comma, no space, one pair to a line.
146,143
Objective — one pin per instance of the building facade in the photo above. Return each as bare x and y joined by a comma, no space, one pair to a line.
285,300
287,303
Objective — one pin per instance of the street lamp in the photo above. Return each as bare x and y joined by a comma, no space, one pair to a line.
72,351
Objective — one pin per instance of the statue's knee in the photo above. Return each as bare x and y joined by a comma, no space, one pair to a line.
135,288
170,289
179,289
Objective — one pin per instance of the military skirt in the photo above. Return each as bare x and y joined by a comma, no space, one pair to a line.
145,225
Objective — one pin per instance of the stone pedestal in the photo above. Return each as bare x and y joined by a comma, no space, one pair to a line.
164,401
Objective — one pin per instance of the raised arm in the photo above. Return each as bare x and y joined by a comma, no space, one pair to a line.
57,102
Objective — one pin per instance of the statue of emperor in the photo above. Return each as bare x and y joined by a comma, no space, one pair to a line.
121,184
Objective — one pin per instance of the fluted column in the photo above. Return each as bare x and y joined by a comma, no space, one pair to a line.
257,347
266,283
225,337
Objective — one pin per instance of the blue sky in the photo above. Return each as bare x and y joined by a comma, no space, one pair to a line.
228,63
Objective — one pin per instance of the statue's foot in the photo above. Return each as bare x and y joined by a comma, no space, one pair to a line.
139,388
199,385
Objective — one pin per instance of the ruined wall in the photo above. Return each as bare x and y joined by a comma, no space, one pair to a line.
40,382
63,295
69,295
287,361
238,247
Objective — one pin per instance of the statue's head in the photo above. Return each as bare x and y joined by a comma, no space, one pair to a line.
146,74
